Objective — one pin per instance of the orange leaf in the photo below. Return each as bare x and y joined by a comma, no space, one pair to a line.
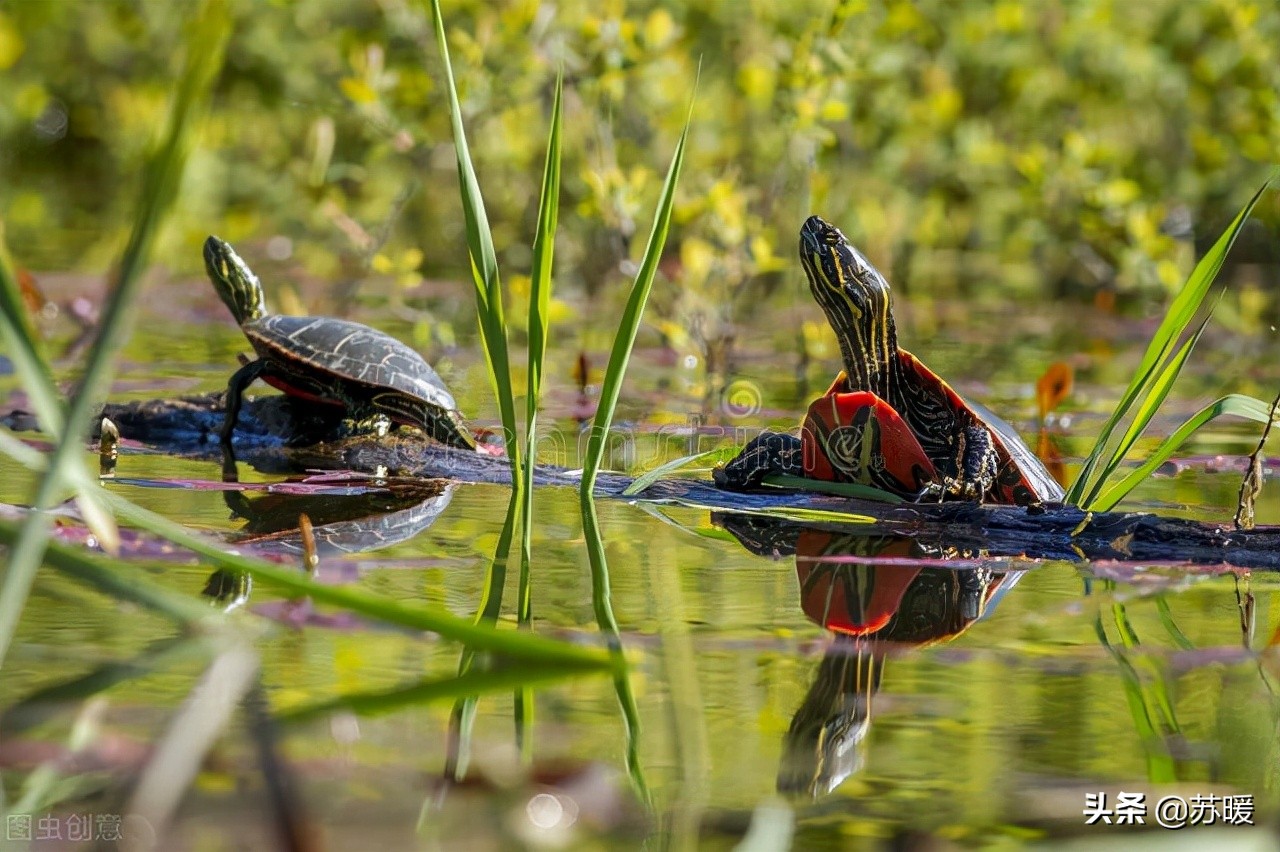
1053,387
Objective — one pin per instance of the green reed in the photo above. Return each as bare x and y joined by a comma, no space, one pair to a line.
29,545
205,42
1096,486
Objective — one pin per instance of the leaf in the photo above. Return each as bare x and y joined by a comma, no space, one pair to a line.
206,39
644,480
1234,404
842,489
484,260
544,243
625,338
1158,367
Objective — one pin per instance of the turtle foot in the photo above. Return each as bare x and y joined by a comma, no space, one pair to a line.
949,488
768,452
377,425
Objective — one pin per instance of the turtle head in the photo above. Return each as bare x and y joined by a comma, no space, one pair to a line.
855,297
235,282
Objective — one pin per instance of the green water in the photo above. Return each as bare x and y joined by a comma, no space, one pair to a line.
977,729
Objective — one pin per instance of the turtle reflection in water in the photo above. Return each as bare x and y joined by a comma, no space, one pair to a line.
872,610
341,525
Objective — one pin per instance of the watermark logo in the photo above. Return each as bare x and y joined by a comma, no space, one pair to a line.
70,828
1172,812
741,399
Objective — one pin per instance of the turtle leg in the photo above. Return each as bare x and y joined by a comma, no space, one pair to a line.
768,452
366,422
977,469
979,463
240,380
858,437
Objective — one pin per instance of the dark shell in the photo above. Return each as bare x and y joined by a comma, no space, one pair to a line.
349,351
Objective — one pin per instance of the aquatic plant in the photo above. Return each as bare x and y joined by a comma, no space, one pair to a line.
1099,485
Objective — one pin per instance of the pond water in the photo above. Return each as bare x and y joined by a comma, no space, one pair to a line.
844,695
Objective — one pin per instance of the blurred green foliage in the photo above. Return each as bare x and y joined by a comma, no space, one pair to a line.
992,149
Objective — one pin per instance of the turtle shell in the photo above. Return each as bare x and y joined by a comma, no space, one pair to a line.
337,361
907,439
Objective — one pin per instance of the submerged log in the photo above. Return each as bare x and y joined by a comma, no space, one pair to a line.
189,427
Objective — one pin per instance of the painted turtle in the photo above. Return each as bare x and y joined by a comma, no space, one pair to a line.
375,377
888,420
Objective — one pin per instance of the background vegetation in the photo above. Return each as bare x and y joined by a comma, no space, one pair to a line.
999,149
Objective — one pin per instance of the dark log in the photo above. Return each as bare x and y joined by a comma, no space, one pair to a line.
189,427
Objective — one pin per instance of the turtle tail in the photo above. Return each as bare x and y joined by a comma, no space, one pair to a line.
235,282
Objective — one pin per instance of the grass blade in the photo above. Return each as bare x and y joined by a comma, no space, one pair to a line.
482,637
544,242
19,343
601,603
1179,316
205,42
1159,387
484,260
625,339
644,480
1237,405
841,489
124,582
464,686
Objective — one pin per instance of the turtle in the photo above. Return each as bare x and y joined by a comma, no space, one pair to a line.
887,419
376,378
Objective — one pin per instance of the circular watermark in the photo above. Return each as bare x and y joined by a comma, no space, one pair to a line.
741,399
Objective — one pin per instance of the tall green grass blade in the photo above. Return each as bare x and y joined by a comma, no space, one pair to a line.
493,336
1236,405
430,691
124,582
619,356
206,40
20,345
625,339
523,646
34,374
1179,316
484,260
544,243
1159,386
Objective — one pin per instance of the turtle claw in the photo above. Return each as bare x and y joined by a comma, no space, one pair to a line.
976,475
949,488
378,425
